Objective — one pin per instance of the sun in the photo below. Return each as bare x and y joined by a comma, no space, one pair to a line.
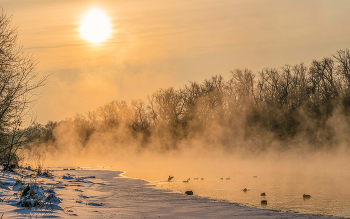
95,26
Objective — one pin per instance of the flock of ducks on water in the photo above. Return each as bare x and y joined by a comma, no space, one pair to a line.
263,202
186,181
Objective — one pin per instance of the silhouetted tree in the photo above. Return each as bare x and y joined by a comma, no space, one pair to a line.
18,82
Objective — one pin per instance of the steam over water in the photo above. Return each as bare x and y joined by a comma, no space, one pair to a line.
283,176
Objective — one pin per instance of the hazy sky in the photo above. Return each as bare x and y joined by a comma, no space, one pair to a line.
160,44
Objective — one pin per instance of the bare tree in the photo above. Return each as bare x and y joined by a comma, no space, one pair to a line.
343,68
18,82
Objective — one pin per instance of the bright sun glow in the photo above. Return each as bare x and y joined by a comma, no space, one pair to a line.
95,27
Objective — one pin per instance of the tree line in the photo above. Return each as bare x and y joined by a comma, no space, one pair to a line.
279,108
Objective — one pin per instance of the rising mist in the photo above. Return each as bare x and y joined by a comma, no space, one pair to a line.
298,107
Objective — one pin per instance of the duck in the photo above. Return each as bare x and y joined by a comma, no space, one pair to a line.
186,181
263,202
263,194
306,196
245,189
228,178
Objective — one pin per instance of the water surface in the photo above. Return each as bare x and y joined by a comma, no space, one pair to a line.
283,181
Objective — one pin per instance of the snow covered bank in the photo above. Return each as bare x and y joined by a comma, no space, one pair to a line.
106,194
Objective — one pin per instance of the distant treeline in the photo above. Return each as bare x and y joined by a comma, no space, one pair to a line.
281,108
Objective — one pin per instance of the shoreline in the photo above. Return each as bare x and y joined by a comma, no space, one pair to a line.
111,194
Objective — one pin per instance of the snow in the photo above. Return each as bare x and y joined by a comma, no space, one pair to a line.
108,194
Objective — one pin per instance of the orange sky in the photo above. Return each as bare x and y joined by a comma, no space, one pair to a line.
160,44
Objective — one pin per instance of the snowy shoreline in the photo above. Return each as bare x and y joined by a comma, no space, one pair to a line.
110,194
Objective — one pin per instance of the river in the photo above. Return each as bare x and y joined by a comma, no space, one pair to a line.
284,181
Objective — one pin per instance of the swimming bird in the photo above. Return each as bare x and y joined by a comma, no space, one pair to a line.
263,194
195,178
186,181
222,178
306,196
202,178
263,202
245,189
228,178
170,178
